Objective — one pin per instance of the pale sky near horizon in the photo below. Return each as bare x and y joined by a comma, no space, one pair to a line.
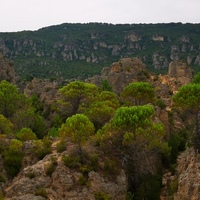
18,15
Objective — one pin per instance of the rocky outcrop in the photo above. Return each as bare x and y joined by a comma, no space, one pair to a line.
181,71
160,61
184,184
7,70
121,73
188,176
63,183
132,37
158,38
45,89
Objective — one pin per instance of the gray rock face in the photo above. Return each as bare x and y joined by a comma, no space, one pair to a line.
160,61
197,60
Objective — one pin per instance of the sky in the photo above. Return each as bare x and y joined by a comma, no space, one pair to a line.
19,15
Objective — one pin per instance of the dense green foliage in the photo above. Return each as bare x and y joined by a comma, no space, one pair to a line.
10,99
6,127
131,135
16,108
136,125
125,130
26,134
79,128
188,99
138,93
13,156
102,108
81,50
75,95
196,78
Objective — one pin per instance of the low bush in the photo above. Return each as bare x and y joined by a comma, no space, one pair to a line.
71,161
43,147
173,187
26,134
12,157
2,179
83,181
30,175
161,104
110,167
101,196
41,192
51,167
53,132
61,146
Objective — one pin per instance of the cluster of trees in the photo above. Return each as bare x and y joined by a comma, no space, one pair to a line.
123,126
17,112
188,100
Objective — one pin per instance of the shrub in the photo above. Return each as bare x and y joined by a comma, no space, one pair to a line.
71,161
83,181
2,179
101,196
53,132
26,134
56,121
51,167
43,148
85,164
13,156
41,192
177,143
61,146
30,175
1,195
109,167
173,187
94,162
161,104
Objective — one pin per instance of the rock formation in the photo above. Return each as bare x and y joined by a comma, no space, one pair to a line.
184,184
181,71
63,183
6,70
188,176
121,73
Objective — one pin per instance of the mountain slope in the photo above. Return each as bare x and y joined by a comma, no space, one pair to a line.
82,50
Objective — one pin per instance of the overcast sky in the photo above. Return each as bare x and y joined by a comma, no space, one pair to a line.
18,15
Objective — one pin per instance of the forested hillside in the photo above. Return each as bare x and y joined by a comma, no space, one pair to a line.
116,136
82,50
